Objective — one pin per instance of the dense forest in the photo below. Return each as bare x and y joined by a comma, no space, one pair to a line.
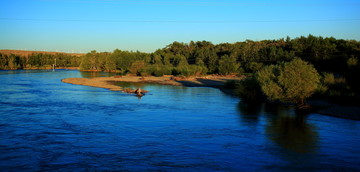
202,57
337,60
22,60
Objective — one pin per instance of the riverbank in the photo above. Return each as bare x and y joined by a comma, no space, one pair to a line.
109,82
326,108
347,112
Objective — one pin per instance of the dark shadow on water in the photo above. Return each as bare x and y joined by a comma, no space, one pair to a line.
250,111
284,126
290,130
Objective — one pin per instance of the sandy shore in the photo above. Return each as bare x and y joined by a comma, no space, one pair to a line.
108,82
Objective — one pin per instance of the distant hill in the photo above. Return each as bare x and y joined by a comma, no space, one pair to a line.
27,53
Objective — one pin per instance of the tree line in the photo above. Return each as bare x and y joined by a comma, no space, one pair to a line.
203,57
330,55
38,61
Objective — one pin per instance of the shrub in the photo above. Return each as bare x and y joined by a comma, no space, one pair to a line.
253,67
137,66
289,82
158,70
189,70
249,90
328,78
352,61
228,65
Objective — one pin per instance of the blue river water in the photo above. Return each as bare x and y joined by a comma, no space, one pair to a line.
47,125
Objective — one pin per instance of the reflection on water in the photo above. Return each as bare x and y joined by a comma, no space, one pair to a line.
292,133
250,111
285,127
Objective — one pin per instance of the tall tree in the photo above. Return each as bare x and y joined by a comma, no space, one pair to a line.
228,65
289,82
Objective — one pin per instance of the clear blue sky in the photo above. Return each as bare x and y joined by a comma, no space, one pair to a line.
147,25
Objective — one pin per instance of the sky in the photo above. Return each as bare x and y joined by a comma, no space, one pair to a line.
147,25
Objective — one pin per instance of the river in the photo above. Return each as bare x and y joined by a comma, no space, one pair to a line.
49,125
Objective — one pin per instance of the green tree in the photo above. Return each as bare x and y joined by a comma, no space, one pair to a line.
85,62
228,65
3,61
289,82
12,62
137,66
110,63
253,67
211,60
180,60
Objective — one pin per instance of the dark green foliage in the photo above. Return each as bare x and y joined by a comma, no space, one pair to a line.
352,62
38,60
157,70
337,89
137,67
228,65
110,63
249,90
352,73
189,70
289,82
252,67
85,63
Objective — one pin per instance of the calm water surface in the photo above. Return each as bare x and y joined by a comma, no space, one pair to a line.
49,125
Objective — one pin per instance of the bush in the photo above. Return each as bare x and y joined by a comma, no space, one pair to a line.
328,78
158,70
249,90
352,61
253,67
228,65
189,70
289,82
334,87
137,67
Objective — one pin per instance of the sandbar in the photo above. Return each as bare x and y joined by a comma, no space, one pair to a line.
109,82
